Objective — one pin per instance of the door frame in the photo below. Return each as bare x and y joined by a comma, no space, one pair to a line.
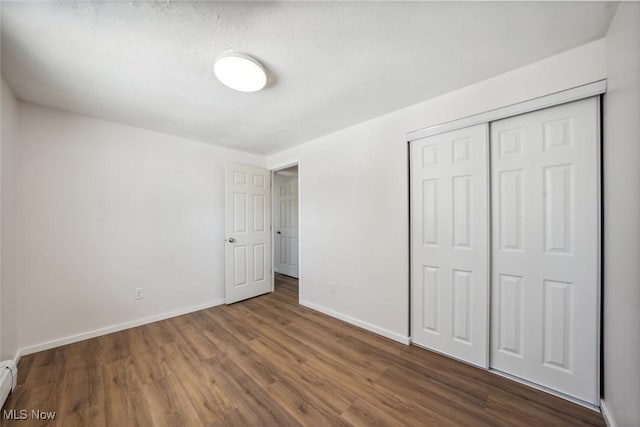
594,89
273,169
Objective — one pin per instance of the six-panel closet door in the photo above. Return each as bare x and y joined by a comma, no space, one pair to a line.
545,248
506,275
449,244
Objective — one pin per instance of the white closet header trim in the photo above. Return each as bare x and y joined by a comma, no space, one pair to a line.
580,92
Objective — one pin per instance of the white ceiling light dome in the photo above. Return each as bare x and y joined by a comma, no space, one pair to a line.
240,71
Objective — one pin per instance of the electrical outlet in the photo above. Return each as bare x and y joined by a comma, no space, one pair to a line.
332,287
139,293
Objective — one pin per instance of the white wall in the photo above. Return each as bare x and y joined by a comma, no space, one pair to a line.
105,208
622,218
354,191
8,227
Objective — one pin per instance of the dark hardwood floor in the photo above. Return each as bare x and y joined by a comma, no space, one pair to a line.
270,361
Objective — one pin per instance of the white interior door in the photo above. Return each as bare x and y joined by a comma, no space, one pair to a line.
286,230
247,232
545,248
449,246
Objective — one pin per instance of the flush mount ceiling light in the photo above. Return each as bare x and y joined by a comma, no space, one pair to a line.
240,72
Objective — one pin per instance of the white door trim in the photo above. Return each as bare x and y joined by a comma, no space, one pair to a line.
580,92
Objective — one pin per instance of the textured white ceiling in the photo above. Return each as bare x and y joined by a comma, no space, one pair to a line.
331,64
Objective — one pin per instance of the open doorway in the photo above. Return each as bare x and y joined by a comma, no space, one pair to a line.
286,246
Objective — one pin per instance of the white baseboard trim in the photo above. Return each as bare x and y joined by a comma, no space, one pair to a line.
357,322
17,356
607,414
114,328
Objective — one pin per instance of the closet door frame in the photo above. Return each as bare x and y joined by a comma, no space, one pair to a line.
574,94
589,90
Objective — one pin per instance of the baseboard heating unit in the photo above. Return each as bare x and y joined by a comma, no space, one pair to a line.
8,379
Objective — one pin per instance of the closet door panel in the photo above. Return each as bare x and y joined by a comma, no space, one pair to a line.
449,242
545,248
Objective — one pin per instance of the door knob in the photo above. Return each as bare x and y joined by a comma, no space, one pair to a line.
231,240
278,232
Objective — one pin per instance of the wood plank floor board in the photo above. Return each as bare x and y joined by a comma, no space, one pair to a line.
480,382
191,337
365,413
462,407
168,403
124,403
437,379
113,346
318,340
335,396
305,406
312,342
92,416
252,398
270,361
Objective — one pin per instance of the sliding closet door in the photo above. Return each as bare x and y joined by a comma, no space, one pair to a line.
545,247
449,243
